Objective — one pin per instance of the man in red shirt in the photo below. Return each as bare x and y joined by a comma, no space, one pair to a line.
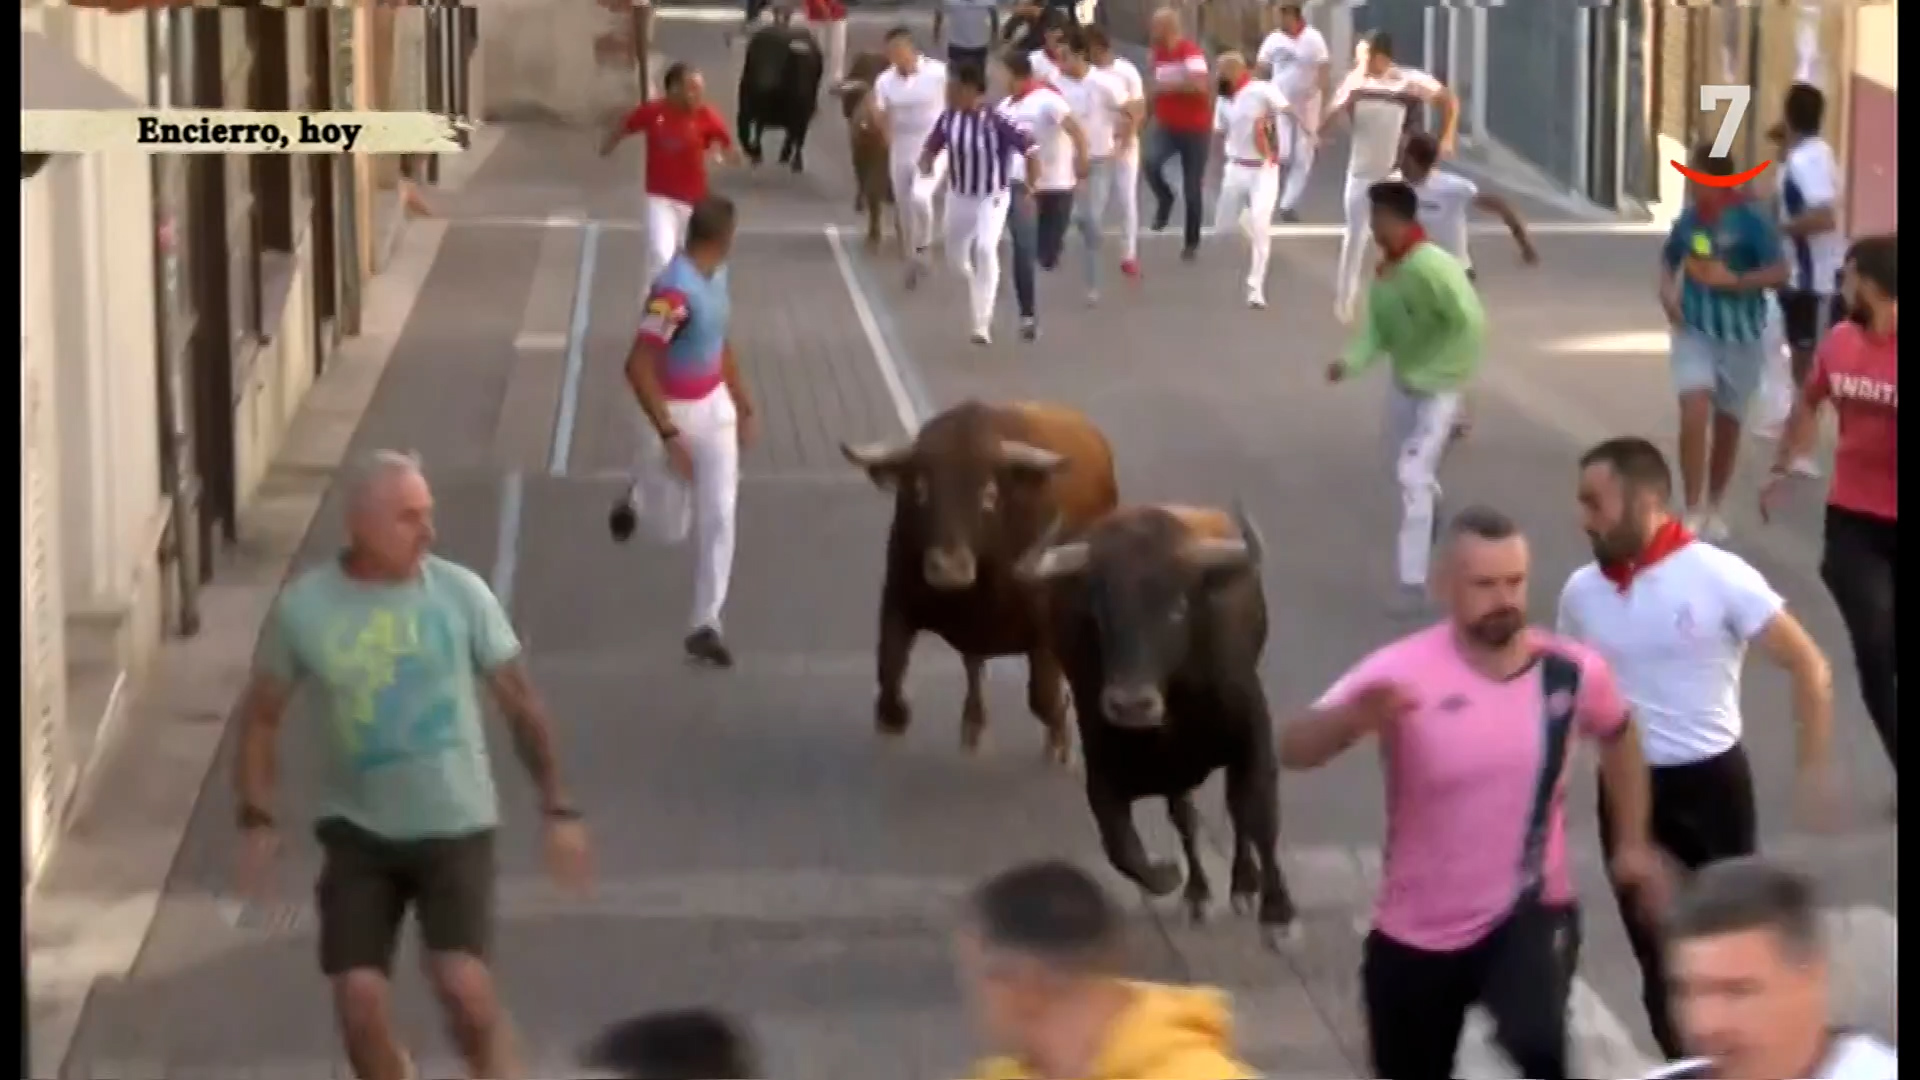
1857,370
1181,93
830,16
680,129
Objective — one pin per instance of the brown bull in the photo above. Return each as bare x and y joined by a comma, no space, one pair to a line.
873,187
974,491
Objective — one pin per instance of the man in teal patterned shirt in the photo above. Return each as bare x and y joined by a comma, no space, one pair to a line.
390,645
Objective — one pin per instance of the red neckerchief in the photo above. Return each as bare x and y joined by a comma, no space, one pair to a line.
1415,237
1667,539
1242,81
1026,87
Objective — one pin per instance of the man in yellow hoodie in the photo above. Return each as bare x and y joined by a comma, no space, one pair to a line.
1038,957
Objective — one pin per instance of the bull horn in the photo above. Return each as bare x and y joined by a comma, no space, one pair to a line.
879,460
1218,554
1249,533
1022,455
1056,561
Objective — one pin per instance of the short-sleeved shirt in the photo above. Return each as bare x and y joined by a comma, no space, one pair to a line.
1127,77
1381,106
1810,180
1180,109
1462,773
1676,637
911,103
685,321
1254,104
1042,112
1745,240
393,674
969,23
677,143
1296,60
1445,199
1859,372
1096,100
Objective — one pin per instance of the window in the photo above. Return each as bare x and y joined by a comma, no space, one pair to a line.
272,83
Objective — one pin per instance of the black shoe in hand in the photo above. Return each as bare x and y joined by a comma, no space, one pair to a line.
622,520
705,647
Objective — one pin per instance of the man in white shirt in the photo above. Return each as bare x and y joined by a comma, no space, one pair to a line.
1809,221
1673,616
1250,122
1379,98
907,98
1753,980
1126,141
1042,201
1296,54
1099,102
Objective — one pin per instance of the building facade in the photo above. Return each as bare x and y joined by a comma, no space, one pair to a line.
1873,143
174,311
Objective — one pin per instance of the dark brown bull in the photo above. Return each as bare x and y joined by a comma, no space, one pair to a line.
872,185
1158,618
976,489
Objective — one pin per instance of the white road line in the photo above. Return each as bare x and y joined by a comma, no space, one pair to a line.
870,326
1277,232
576,352
540,341
506,557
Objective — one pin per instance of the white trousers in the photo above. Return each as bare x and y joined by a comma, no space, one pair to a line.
974,225
1419,427
1247,194
1354,243
1299,165
1126,188
833,38
666,233
669,508
914,194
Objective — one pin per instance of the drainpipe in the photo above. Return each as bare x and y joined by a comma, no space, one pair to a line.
179,548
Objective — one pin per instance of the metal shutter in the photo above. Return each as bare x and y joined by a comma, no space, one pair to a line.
47,768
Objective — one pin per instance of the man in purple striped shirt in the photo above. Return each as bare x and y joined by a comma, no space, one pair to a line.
981,146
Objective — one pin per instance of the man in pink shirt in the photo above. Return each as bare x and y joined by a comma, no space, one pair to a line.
1476,717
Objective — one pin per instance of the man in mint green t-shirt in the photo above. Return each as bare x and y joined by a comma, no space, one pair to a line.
388,647
1423,315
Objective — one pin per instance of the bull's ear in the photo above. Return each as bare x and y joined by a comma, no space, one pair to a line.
1056,561
883,463
1026,457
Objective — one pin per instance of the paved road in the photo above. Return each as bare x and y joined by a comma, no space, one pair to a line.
758,848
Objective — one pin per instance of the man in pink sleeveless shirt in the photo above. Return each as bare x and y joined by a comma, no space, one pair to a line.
1476,717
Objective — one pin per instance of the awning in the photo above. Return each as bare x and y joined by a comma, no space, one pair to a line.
53,78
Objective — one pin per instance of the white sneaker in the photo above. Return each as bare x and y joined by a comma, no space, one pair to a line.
981,337
1093,297
1343,314
1255,300
1714,529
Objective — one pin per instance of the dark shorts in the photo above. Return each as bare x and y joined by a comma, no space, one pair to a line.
1807,316
368,882
960,54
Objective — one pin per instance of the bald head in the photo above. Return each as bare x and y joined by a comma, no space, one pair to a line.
389,510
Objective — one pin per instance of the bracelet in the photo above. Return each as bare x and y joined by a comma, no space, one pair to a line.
668,434
252,817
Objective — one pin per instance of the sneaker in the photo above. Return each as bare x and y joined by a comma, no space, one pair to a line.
1291,217
1130,268
1189,253
1093,297
1255,300
705,647
1162,214
980,337
1029,329
623,520
1713,528
1343,314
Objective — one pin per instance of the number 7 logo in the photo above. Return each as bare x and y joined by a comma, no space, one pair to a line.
1737,99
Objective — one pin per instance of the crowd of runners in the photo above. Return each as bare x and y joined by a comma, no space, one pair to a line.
1472,716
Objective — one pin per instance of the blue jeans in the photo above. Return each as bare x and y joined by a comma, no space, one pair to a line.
1023,226
1088,208
1191,148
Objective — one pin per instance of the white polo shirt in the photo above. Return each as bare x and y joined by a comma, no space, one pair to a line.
1676,639
911,103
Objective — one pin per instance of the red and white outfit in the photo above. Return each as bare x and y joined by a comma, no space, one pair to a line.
1380,106
1250,179
1297,61
830,16
1126,159
678,140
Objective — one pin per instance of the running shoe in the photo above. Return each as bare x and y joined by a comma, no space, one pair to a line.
623,520
704,646
1130,268
1029,329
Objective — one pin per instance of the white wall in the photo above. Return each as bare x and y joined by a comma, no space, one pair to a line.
537,56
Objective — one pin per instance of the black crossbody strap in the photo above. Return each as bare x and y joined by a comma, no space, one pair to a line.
1559,691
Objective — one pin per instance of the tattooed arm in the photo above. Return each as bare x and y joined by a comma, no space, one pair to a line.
532,732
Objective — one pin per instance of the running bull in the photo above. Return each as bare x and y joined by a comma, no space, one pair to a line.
1158,618
975,489
779,88
872,185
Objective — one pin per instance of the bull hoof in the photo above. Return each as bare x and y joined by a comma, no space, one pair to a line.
1245,903
890,718
1162,878
1281,937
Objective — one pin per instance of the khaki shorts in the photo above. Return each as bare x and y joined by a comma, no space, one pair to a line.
367,883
